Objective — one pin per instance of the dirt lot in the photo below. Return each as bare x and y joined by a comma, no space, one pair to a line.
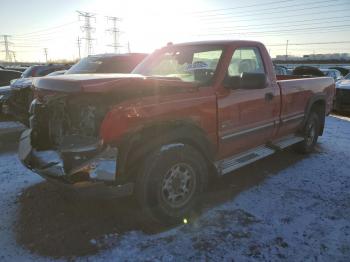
288,206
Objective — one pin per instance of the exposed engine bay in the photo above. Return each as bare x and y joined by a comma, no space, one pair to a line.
63,116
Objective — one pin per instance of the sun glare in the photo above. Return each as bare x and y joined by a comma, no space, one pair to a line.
153,23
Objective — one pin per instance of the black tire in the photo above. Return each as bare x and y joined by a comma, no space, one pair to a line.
172,170
310,132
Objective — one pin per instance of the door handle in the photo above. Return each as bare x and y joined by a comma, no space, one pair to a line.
269,96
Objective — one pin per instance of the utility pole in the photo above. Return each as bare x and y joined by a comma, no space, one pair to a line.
287,50
45,51
129,49
114,30
79,45
88,29
14,56
7,50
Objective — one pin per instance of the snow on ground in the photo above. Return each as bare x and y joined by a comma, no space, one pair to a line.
300,214
13,179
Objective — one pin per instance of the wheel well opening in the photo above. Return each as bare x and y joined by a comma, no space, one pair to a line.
153,137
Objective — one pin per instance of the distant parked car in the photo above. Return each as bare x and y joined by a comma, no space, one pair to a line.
17,103
17,68
7,75
334,73
5,92
5,79
281,70
42,70
307,71
22,93
344,71
342,95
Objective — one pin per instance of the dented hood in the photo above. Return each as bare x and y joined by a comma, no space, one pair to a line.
100,83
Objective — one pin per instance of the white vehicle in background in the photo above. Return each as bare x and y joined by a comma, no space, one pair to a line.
332,73
342,97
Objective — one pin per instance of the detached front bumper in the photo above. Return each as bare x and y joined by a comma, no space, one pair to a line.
89,168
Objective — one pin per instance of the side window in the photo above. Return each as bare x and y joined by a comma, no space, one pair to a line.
245,60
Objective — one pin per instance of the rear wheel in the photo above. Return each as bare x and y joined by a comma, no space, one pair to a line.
171,182
310,133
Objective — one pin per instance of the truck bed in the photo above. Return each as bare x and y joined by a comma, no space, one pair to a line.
297,90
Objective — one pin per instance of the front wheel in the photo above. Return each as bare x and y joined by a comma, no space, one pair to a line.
310,133
171,182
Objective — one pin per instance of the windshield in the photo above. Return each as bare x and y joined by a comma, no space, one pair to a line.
191,63
96,64
347,77
29,72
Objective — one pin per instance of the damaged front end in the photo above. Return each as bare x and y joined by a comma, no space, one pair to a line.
63,144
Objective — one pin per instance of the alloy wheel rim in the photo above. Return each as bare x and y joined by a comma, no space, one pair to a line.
178,185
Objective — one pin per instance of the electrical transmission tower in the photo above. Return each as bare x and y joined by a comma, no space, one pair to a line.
7,50
87,29
114,30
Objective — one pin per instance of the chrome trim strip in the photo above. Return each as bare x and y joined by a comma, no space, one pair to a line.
293,118
246,131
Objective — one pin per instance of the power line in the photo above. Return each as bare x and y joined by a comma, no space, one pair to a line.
291,28
47,29
88,29
114,30
312,43
276,31
263,10
295,23
227,20
239,7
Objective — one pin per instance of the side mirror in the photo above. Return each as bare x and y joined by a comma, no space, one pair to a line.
247,81
253,81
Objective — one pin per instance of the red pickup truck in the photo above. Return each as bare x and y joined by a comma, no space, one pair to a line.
187,111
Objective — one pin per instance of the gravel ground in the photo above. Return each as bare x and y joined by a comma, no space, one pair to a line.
286,207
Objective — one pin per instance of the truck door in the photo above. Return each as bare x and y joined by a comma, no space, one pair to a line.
246,117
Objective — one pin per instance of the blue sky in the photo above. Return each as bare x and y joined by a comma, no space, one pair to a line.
147,25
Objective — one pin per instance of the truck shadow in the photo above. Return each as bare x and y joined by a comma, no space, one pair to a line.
51,224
